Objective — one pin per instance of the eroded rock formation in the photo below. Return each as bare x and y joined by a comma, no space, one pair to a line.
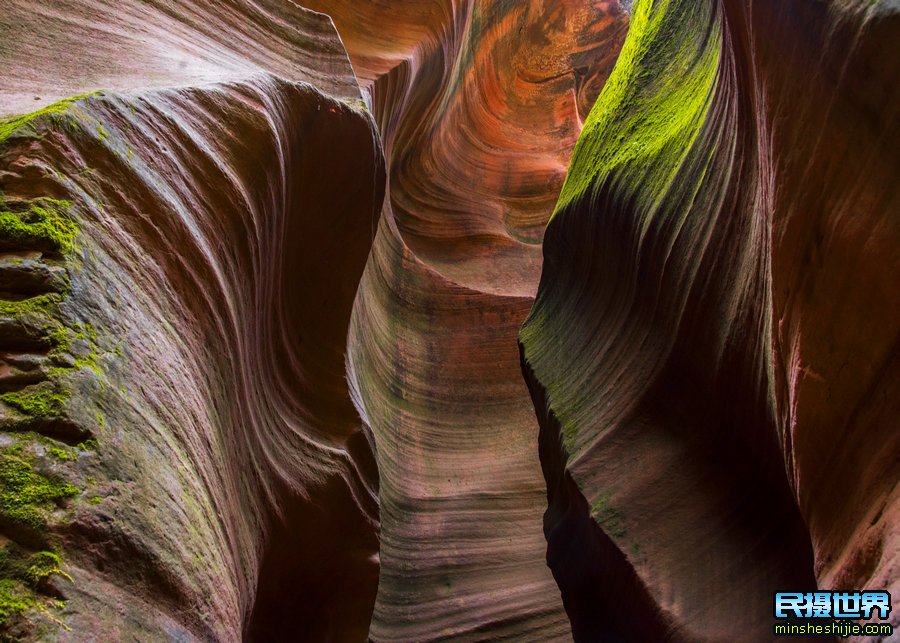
479,104
259,302
228,484
713,349
182,262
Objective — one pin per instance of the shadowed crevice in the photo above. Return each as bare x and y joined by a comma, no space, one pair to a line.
603,596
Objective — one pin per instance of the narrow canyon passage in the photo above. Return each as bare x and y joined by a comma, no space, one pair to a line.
479,105
426,320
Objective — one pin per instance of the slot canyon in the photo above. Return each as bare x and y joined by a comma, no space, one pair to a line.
427,320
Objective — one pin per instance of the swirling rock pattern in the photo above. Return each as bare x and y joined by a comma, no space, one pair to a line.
713,348
258,311
179,438
479,105
215,477
51,51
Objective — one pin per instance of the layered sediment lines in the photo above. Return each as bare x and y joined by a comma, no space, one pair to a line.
479,105
51,51
180,264
217,334
713,348
221,482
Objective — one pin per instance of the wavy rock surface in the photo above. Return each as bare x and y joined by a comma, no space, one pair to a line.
181,262
713,348
214,479
51,51
480,105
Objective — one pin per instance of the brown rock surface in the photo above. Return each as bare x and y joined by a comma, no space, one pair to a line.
259,308
177,421
479,105
713,349
224,211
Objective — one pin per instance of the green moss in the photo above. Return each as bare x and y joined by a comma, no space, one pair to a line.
61,454
654,102
608,517
25,494
88,445
95,500
42,565
29,124
46,305
86,338
90,362
15,600
45,400
46,224
357,103
58,337
43,312
80,342
22,578
642,130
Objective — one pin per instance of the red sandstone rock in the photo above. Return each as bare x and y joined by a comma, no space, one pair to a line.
479,105
224,209
214,341
713,348
224,214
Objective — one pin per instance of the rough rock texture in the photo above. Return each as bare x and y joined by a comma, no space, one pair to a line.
479,105
713,348
258,367
180,456
182,401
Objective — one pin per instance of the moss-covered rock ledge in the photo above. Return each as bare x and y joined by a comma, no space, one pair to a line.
41,351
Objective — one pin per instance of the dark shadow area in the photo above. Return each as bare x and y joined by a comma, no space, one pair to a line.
317,580
603,596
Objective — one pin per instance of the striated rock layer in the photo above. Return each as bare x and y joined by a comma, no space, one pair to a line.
182,381
180,457
713,348
479,104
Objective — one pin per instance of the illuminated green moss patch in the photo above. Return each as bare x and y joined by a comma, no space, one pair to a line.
39,401
46,225
23,578
642,135
27,124
31,496
652,106
15,600
27,496
47,304
42,566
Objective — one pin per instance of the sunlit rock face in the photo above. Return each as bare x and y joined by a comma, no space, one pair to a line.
54,50
260,297
187,385
180,256
479,105
713,348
